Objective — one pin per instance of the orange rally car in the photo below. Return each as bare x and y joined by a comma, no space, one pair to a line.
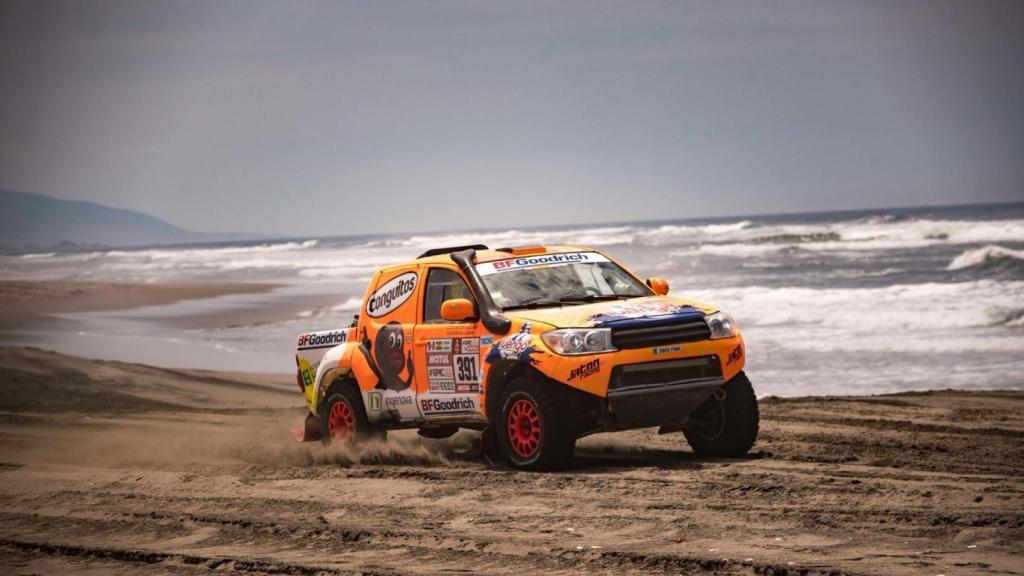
534,346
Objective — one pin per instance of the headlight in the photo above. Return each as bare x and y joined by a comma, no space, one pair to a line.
721,324
571,341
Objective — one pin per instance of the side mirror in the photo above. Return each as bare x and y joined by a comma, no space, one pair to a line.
659,285
456,310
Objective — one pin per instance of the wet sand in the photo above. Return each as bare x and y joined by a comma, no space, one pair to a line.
116,468
24,303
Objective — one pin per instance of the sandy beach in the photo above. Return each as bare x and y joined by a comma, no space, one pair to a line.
23,302
118,468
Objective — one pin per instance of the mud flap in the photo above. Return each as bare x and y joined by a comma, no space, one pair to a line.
309,431
489,441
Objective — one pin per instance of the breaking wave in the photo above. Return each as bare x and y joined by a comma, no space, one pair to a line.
988,257
933,316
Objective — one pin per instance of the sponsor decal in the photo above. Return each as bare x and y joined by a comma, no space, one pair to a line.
639,310
378,402
440,372
308,372
470,345
390,357
322,339
486,340
440,405
735,355
526,262
393,402
518,346
586,370
442,386
375,401
670,349
453,365
391,295
439,345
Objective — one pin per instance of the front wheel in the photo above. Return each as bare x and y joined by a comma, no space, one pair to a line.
533,430
727,423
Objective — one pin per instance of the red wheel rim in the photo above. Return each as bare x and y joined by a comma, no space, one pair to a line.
340,422
524,428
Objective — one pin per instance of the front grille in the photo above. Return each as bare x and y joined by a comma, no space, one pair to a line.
666,372
690,331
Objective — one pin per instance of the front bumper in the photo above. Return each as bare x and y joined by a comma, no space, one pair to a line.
660,393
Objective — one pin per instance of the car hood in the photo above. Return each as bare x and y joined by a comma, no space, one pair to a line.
644,311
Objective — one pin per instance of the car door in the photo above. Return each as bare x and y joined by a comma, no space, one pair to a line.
389,318
447,354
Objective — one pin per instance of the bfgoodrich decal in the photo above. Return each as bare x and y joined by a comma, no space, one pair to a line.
488,268
322,339
391,295
441,405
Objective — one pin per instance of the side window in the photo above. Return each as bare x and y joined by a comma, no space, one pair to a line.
442,284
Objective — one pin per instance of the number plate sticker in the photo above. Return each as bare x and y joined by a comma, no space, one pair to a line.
453,365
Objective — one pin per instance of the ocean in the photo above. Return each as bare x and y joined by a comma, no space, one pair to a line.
829,303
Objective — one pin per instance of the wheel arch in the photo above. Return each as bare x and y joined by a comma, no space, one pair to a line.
498,376
335,365
587,408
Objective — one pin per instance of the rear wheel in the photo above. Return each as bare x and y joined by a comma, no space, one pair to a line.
727,423
342,418
533,431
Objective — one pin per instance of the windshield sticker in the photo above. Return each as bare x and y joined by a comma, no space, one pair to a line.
541,260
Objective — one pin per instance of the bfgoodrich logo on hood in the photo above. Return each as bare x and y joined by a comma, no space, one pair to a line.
391,295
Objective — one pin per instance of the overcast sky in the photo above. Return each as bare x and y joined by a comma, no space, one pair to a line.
315,118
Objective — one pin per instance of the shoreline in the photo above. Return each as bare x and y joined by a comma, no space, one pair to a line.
26,302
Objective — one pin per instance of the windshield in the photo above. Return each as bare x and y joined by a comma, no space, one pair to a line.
557,280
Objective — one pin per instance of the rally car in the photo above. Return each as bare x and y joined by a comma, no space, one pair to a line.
536,347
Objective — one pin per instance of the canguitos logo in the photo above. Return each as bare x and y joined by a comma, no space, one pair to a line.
391,295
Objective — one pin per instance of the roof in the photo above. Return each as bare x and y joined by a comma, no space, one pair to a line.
487,256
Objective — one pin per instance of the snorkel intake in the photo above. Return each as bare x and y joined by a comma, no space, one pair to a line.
490,314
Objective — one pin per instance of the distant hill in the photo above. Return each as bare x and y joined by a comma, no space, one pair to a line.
38,221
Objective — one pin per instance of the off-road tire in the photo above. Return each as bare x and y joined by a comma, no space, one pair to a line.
725,427
341,400
549,431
